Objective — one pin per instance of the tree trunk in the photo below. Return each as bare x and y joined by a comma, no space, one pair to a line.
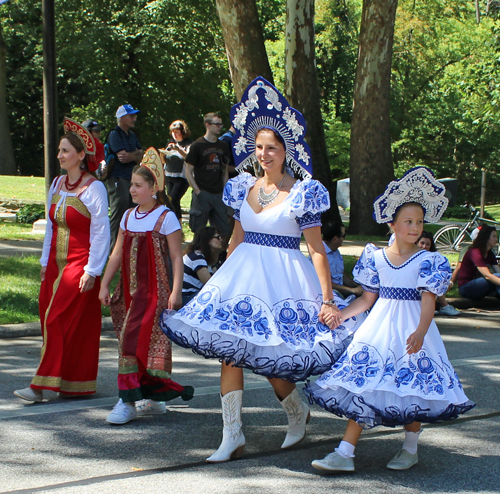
371,167
7,162
302,89
246,52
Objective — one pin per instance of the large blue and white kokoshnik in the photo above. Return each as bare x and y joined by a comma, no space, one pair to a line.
417,185
262,105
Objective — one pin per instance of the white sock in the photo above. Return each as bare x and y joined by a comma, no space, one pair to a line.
345,449
411,439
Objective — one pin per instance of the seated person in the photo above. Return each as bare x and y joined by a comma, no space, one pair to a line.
426,242
479,274
199,258
463,250
333,237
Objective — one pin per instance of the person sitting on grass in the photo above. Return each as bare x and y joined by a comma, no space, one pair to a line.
333,234
200,256
480,275
426,242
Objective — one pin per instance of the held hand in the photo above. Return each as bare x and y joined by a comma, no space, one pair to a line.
104,295
414,342
86,283
42,273
331,316
174,301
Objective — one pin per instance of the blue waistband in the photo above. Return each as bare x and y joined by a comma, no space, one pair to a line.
399,293
269,240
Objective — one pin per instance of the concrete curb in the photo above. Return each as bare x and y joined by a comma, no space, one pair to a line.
34,329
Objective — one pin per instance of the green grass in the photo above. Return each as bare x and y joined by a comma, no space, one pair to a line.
494,210
19,287
23,189
18,231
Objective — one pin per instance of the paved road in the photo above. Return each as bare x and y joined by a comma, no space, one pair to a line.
65,446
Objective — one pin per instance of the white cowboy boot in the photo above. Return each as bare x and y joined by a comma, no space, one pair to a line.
233,440
298,414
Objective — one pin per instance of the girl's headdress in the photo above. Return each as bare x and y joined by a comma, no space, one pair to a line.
263,106
152,161
86,139
417,185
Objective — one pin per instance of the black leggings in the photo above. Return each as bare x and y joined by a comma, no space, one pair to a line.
176,188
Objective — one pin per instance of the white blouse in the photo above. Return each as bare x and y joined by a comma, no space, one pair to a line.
170,223
95,199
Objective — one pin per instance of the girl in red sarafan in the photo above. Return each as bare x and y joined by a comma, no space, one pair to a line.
149,242
75,250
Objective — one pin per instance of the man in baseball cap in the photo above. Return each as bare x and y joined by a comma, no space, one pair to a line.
128,153
126,110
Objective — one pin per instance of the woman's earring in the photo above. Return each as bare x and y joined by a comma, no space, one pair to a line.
154,196
82,166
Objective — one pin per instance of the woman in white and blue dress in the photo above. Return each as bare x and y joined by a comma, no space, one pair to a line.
267,308
396,370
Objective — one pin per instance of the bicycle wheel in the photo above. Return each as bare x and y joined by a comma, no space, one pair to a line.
451,238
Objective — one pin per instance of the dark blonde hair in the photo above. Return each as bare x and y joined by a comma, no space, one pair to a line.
145,173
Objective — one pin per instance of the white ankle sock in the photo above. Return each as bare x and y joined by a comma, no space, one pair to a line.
410,443
345,449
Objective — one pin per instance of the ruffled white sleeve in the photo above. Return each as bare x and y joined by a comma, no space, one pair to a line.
310,199
95,198
434,274
236,190
365,271
47,240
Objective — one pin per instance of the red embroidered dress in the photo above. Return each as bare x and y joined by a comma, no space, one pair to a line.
145,353
70,320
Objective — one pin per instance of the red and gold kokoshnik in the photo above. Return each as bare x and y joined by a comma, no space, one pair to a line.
151,160
82,133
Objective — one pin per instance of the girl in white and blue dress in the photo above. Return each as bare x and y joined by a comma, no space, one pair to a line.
267,308
396,370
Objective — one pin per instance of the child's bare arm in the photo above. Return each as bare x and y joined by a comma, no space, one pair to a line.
416,339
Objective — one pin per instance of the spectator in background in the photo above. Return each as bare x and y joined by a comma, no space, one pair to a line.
200,257
207,173
128,151
480,275
333,237
426,242
95,129
173,156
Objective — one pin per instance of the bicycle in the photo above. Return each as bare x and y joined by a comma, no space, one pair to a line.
450,238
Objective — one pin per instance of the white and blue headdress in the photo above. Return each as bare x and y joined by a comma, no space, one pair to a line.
417,185
262,105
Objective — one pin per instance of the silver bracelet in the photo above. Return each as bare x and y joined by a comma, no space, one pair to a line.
330,303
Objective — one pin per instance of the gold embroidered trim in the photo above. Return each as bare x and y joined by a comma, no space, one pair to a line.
65,386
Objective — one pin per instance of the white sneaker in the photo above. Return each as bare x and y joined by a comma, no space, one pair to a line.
449,310
150,407
30,394
122,413
334,463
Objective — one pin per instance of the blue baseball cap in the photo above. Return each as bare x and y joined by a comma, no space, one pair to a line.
126,110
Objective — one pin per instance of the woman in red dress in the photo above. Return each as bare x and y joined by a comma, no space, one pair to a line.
75,250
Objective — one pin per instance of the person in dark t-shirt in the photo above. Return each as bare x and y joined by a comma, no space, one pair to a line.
207,173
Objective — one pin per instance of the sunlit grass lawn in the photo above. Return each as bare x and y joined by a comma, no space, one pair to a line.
22,188
18,231
19,288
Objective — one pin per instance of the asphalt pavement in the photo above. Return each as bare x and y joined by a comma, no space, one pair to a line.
66,446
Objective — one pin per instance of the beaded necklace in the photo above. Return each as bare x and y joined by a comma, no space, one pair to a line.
74,185
140,215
